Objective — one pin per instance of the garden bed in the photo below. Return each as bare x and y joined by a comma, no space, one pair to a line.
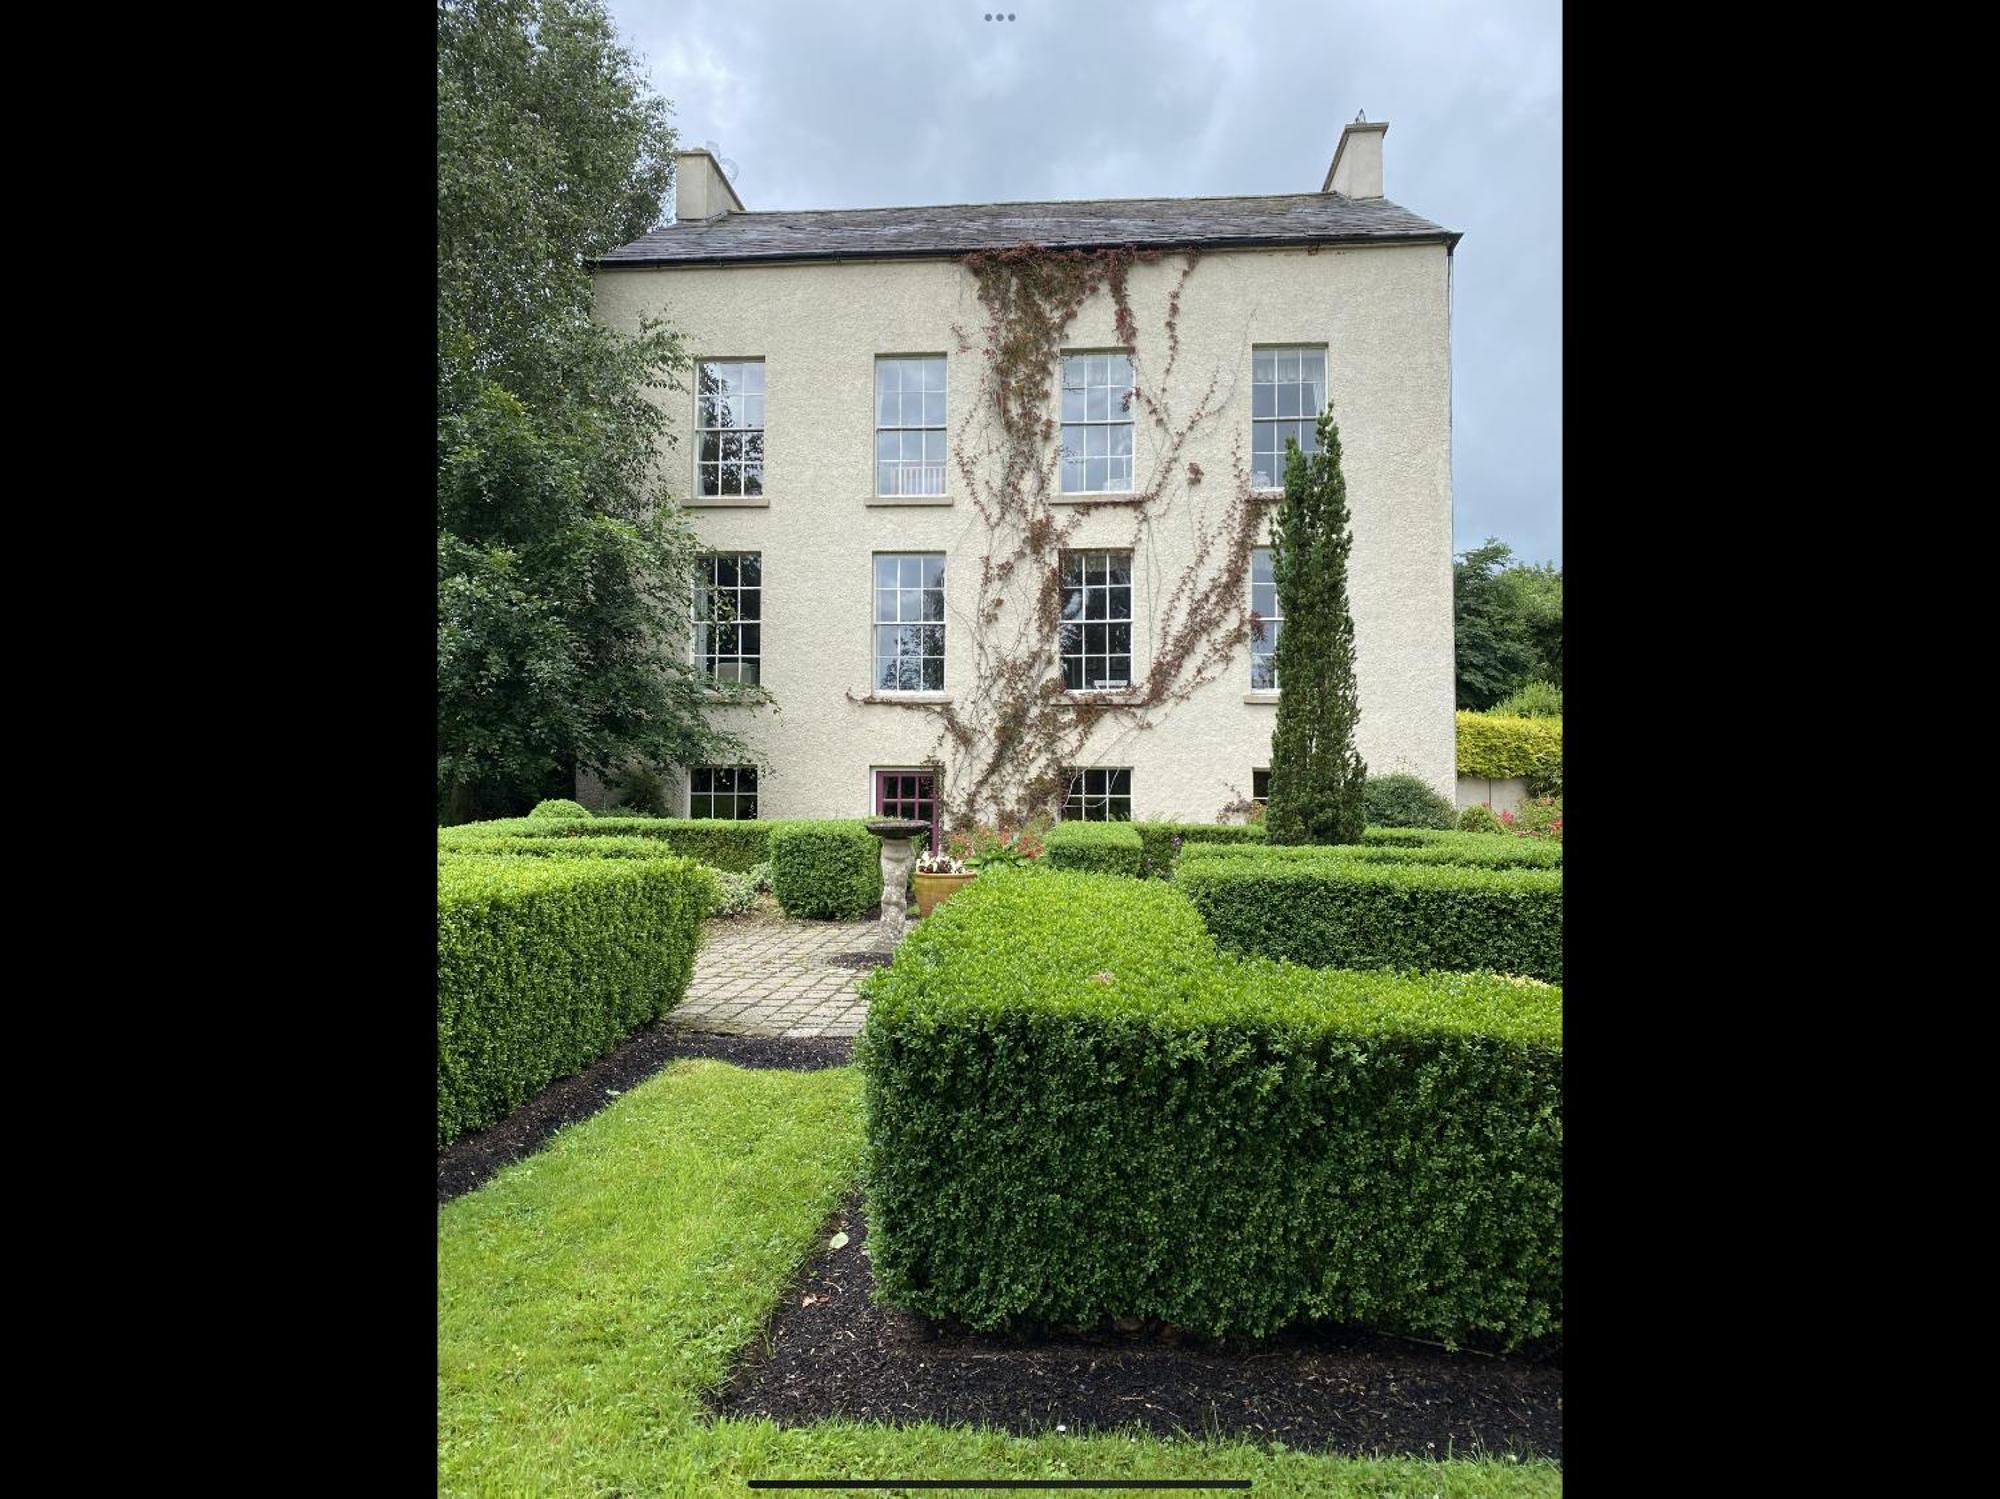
833,1351
471,1160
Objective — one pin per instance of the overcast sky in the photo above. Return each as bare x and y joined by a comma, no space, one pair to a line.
838,104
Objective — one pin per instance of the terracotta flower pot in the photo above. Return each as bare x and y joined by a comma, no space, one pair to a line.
932,888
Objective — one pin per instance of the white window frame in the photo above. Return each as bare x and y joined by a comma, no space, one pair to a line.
1275,620
736,794
877,623
1082,773
1084,619
903,429
1107,423
1310,418
710,588
741,494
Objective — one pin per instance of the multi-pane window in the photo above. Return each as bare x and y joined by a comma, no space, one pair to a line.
729,427
728,791
1096,423
1096,620
729,615
1099,796
1265,622
909,622
1287,394
909,426
1260,787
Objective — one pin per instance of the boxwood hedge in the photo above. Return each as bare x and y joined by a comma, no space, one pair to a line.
544,965
1107,847
559,848
1163,841
1335,912
825,870
1480,850
716,842
1078,1110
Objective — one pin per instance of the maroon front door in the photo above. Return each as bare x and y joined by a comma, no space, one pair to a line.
908,793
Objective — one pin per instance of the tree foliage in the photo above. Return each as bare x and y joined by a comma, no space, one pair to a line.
562,579
1317,775
1503,621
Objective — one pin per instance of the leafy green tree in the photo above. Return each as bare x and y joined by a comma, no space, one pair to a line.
1536,591
1317,775
1493,651
563,577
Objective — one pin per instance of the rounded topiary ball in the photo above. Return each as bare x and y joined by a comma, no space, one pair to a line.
1404,801
560,809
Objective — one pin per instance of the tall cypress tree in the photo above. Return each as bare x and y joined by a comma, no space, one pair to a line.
1316,772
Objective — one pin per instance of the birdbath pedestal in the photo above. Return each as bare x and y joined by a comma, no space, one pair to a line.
899,854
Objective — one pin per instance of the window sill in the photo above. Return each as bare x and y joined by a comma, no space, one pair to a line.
1267,494
1106,497
729,502
911,499
1109,697
1269,699
755,698
920,699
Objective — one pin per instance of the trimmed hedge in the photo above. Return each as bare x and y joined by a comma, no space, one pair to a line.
829,871
559,808
558,848
717,842
1405,801
1495,747
544,965
1477,850
1079,1111
1335,912
1107,847
1161,852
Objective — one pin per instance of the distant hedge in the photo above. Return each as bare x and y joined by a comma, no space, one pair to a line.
1334,912
1078,1111
1161,852
830,871
558,848
1478,850
1107,847
717,842
546,964
559,809
1496,747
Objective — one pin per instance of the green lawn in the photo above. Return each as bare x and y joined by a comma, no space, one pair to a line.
588,1295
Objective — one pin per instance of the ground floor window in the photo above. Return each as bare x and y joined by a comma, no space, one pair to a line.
726,791
1099,796
908,793
1260,788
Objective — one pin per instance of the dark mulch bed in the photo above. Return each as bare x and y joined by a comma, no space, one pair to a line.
472,1159
831,1351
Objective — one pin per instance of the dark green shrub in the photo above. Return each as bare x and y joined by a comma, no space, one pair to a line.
829,871
1107,847
546,964
641,791
560,809
1479,819
558,848
1161,842
1475,850
1404,801
1079,1111
1334,912
1535,699
716,842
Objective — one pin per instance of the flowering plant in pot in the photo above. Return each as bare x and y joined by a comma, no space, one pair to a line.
938,875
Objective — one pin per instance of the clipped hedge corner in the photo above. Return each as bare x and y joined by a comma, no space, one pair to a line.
1105,847
826,871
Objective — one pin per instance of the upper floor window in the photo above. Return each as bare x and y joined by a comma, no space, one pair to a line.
1099,796
729,616
1265,622
1097,620
909,426
729,427
909,622
1287,394
1096,424
726,791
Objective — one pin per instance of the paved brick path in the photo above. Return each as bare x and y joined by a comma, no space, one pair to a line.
771,976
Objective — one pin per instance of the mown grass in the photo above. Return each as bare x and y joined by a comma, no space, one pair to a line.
588,1296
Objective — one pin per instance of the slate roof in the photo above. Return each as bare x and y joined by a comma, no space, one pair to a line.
956,229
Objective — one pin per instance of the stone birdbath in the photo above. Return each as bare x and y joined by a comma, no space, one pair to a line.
899,856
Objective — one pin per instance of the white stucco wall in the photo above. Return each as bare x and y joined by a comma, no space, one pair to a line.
1380,310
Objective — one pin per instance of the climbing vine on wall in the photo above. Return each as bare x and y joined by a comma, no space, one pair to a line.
1015,731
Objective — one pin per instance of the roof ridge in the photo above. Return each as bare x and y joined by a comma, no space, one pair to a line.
753,213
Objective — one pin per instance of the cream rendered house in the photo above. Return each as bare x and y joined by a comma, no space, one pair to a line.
839,384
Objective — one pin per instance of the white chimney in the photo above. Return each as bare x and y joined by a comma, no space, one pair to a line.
1357,161
700,189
